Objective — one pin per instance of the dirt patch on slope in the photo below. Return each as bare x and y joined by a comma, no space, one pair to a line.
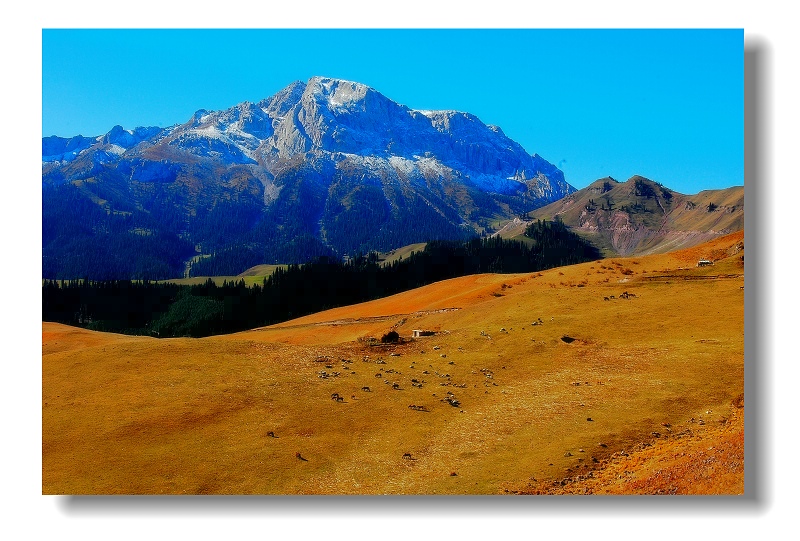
703,459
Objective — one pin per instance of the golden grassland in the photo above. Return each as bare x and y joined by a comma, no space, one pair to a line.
249,281
387,258
261,271
650,384
698,459
252,276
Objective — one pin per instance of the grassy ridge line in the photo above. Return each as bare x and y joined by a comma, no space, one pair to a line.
387,258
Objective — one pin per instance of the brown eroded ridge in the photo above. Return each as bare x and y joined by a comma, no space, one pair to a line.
551,382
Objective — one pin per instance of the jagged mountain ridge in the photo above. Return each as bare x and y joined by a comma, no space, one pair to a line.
642,217
323,167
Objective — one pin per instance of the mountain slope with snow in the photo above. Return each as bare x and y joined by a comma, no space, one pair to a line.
322,167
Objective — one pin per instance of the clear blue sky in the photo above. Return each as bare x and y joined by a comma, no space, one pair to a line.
665,104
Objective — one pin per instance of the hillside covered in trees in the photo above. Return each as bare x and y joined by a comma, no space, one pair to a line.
168,310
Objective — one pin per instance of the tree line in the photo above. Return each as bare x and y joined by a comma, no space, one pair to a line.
169,310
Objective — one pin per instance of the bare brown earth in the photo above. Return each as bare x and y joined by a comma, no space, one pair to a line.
626,395
660,226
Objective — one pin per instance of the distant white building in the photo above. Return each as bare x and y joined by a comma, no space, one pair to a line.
704,263
416,333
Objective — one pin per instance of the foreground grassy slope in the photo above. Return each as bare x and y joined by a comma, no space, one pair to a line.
696,457
139,415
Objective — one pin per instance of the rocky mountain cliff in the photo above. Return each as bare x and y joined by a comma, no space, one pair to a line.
327,167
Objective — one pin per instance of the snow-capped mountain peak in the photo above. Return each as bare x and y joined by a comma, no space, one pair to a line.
329,150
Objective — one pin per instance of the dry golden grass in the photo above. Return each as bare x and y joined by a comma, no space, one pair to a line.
146,416
249,281
400,253
695,458
261,271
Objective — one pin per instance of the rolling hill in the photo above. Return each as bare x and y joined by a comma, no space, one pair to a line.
558,381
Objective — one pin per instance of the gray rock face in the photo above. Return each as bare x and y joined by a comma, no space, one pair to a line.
330,118
128,139
333,120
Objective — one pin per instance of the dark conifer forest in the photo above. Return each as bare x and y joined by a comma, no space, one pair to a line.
82,239
169,310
